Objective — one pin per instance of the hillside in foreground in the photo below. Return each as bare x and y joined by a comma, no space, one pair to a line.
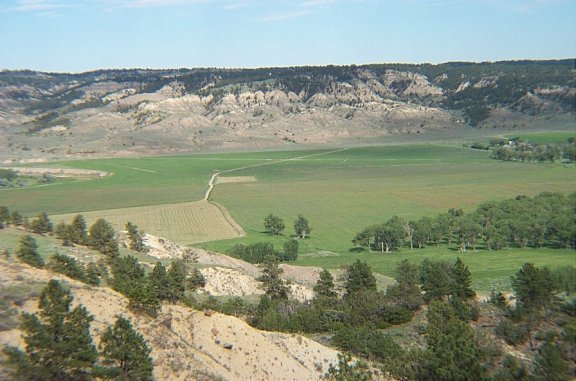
187,344
125,112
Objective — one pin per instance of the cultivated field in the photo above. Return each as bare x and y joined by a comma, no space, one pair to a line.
185,223
339,191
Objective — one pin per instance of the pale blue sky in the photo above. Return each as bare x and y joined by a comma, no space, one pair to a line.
75,36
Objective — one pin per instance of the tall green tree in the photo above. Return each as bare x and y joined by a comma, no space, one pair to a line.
390,235
158,281
127,274
435,278
126,352
273,285
302,227
273,224
461,287
534,288
103,238
78,230
68,266
177,274
136,238
58,341
16,218
325,285
28,252
290,250
406,292
359,277
42,224
452,351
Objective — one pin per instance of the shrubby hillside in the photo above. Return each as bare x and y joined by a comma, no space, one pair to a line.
177,110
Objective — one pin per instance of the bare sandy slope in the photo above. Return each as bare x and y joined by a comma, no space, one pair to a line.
187,344
231,276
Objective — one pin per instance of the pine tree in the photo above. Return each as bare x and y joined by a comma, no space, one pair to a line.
126,352
534,288
452,351
78,230
177,273
196,279
359,277
102,238
68,266
42,224
461,281
28,252
127,274
549,364
136,238
58,341
290,250
158,281
64,233
273,285
406,291
16,218
325,285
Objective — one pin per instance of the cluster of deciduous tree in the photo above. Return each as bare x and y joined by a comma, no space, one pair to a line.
258,252
59,345
524,151
547,220
275,225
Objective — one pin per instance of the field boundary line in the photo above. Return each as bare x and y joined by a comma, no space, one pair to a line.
229,218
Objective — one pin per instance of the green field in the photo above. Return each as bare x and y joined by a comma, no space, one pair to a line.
339,191
545,137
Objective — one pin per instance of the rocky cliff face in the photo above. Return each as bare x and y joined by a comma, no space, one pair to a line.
145,111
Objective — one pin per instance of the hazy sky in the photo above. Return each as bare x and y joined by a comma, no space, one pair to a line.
74,35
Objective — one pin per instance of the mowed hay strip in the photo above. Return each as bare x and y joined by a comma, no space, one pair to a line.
183,223
235,179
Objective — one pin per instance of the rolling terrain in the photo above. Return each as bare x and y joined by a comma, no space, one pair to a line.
149,112
197,158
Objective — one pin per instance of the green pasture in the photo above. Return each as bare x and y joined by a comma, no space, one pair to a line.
343,192
489,269
134,182
339,191
545,137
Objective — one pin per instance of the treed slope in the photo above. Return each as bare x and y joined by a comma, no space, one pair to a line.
186,344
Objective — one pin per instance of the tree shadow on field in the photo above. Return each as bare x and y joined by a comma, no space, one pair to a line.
356,250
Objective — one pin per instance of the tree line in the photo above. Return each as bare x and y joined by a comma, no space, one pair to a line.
532,152
546,220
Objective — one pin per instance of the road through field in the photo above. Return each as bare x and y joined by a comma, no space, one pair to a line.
212,181
225,214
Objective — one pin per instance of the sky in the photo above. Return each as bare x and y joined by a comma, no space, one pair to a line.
78,36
